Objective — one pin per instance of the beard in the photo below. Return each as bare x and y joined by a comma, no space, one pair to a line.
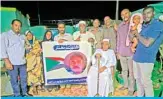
125,19
16,30
62,32
147,20
77,69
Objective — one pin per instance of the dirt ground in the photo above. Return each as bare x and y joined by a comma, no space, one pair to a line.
76,91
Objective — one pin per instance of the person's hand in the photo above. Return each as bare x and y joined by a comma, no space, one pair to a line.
136,34
118,56
34,73
78,39
41,50
133,49
115,27
28,47
134,27
91,40
102,69
9,66
98,55
61,40
32,53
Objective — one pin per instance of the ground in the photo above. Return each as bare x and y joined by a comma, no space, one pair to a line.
76,91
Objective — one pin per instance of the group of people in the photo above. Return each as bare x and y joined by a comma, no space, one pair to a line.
135,42
138,41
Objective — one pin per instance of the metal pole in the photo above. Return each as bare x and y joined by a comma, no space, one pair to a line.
38,12
117,9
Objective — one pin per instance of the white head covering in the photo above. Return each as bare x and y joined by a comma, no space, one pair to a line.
139,27
82,22
28,31
106,40
141,21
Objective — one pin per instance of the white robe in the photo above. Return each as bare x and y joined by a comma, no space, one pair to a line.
84,37
105,78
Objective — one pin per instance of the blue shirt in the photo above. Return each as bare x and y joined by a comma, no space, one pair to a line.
13,47
145,54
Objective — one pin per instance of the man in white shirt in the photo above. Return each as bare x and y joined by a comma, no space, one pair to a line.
83,35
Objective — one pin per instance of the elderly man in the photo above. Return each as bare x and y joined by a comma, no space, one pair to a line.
124,53
101,72
150,39
13,54
105,21
83,35
110,32
98,32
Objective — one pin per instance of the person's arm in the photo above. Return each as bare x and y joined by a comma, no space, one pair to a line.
132,34
134,44
98,51
76,36
118,44
92,38
111,62
112,71
36,48
4,54
153,34
93,60
70,38
115,27
147,41
55,38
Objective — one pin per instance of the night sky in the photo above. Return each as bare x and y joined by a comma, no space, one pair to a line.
54,10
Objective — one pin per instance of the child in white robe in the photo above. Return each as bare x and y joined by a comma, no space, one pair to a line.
106,71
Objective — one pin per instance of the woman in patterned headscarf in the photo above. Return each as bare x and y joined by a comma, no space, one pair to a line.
34,63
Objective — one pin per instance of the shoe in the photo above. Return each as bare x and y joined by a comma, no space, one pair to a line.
49,89
130,93
27,95
17,96
123,88
57,87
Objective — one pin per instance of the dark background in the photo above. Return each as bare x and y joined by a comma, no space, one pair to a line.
58,10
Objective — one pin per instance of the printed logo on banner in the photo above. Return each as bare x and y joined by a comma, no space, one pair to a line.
66,63
66,47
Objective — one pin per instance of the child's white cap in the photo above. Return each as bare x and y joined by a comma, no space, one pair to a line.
106,40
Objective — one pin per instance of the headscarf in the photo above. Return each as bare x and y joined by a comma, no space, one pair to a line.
33,37
139,27
45,39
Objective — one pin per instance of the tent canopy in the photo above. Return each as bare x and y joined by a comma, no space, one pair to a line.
158,9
